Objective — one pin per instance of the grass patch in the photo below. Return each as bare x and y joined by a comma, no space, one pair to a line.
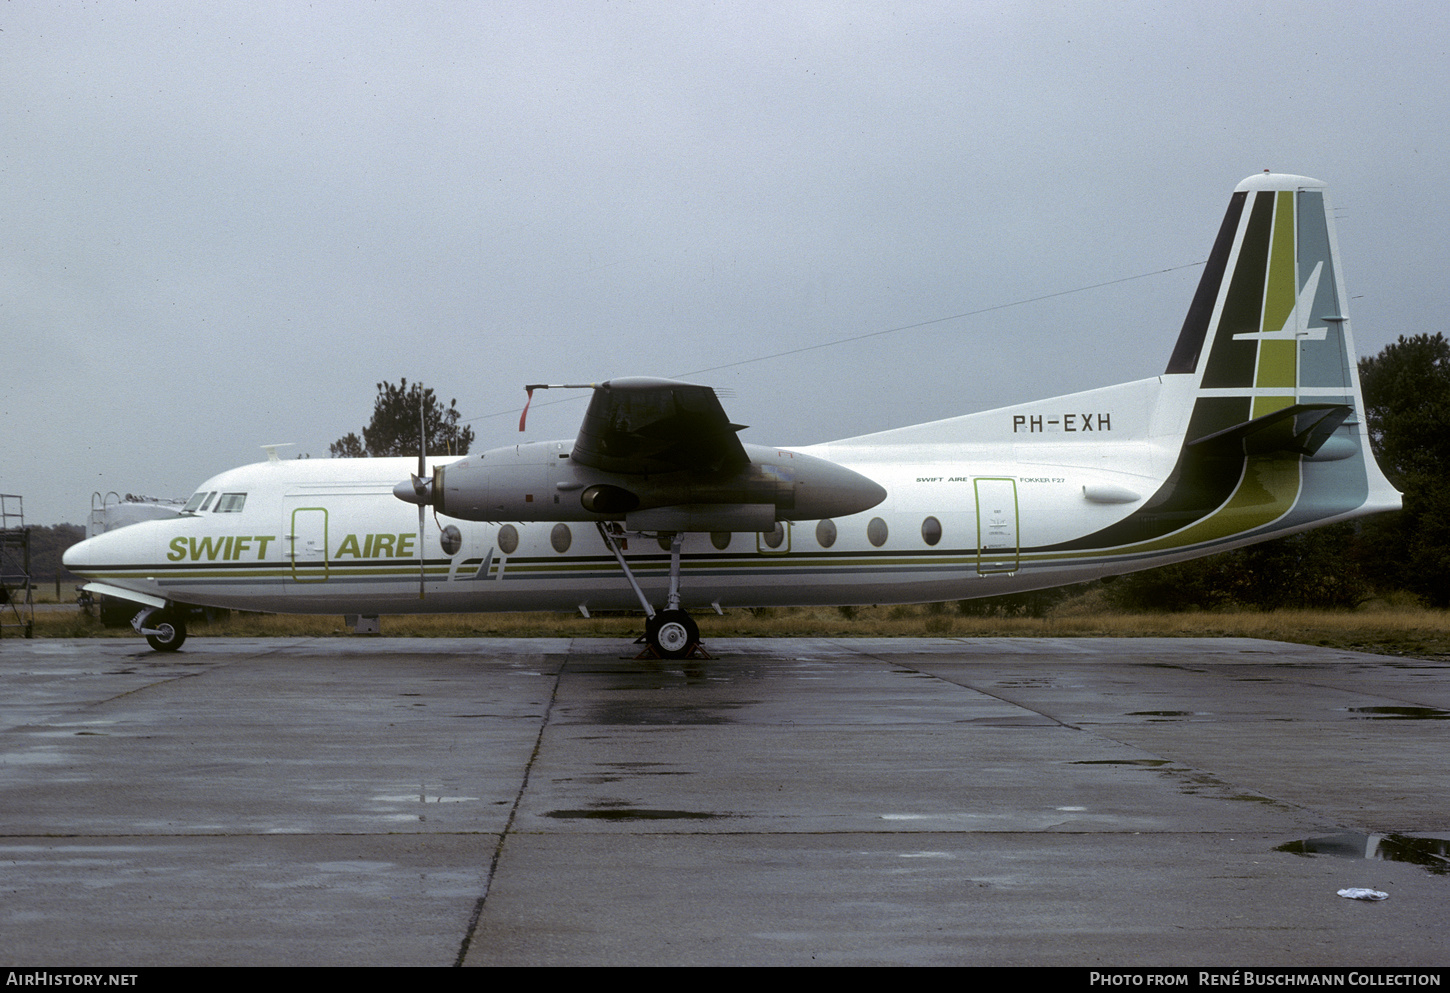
1395,627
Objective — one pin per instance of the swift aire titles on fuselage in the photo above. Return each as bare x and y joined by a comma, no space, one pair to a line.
1256,429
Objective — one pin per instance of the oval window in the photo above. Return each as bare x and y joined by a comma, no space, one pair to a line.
876,532
560,538
774,537
451,539
508,539
931,530
720,539
826,533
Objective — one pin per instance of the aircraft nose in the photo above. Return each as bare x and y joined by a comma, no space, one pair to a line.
132,545
78,556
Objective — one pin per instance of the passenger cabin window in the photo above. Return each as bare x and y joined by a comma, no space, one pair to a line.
826,533
230,503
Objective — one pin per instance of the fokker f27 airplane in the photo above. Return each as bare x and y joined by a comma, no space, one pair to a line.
1255,430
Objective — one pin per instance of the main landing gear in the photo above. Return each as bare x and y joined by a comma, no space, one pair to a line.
670,633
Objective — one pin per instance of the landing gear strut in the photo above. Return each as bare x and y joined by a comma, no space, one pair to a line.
670,633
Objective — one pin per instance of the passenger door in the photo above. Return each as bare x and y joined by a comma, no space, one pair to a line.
306,534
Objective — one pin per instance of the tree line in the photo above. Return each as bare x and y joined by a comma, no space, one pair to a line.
395,426
47,544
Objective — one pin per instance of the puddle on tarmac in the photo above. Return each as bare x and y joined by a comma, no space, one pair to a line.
633,814
637,712
623,770
1190,782
1400,713
1429,853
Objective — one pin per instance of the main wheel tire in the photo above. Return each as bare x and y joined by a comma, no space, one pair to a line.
672,634
172,632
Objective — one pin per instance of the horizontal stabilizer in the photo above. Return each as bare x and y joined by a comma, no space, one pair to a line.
1301,429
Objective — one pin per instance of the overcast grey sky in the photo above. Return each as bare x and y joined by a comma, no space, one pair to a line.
222,223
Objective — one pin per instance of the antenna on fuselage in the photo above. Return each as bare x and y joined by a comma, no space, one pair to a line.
271,449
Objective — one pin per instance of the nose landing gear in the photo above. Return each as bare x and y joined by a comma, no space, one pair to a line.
164,630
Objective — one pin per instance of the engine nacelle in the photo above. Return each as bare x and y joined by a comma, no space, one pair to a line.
542,482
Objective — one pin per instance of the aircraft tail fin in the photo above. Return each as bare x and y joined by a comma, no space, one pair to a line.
1268,345
1263,387
1269,319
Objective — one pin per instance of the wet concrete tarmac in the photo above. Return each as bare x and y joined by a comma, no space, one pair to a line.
1084,802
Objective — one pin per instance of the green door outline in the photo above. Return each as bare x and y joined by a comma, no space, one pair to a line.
997,541
764,549
308,553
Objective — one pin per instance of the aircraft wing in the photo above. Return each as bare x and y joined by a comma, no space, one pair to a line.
641,425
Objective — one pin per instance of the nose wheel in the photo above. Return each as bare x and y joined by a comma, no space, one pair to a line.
164,630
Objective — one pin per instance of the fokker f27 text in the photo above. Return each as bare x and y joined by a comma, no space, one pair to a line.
1256,429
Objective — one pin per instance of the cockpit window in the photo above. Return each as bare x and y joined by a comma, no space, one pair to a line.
194,504
231,503
207,502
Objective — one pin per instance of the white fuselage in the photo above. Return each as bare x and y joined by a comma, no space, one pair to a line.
968,500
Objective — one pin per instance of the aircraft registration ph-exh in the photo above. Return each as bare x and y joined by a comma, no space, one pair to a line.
1255,430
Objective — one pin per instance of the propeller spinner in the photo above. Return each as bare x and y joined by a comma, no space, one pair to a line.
415,489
